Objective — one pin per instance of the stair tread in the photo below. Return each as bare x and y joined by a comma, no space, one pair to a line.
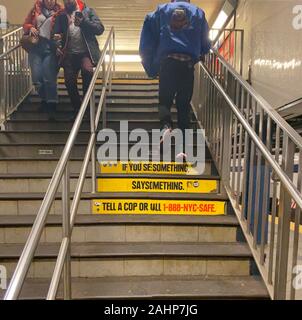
84,120
133,249
113,176
121,195
243,287
82,220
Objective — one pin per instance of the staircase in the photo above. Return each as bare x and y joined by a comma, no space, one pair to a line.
118,254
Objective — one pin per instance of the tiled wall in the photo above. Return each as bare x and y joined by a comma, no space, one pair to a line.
273,48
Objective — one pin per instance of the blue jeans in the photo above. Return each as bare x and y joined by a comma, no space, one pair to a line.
44,69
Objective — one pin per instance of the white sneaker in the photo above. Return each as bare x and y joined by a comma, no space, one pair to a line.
181,157
166,134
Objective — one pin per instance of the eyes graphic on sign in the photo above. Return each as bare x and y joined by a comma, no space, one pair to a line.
194,184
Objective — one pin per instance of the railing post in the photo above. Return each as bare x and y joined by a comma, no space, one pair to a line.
114,50
111,67
105,104
66,232
2,84
93,152
282,262
226,145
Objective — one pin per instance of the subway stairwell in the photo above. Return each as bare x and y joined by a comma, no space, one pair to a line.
118,254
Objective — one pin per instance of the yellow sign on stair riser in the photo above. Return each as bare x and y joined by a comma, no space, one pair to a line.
148,168
157,185
159,207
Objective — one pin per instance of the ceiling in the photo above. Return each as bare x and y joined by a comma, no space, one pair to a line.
127,17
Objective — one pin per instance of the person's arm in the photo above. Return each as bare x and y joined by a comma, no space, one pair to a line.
92,24
57,34
205,41
149,43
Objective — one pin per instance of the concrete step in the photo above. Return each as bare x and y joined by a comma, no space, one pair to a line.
129,81
118,99
111,115
48,166
120,87
65,106
137,259
58,136
115,93
22,183
39,182
36,124
54,150
29,203
125,228
155,287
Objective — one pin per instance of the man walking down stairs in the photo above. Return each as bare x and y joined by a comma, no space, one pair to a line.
130,240
174,38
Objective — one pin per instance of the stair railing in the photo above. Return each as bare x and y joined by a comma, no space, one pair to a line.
15,79
61,176
258,173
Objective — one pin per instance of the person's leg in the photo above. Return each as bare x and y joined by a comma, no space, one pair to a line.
71,67
35,61
50,72
87,72
167,90
185,85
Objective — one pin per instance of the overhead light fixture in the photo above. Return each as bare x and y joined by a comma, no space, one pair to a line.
222,18
218,24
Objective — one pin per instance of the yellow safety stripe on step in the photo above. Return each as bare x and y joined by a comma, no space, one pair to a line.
146,167
158,207
157,185
119,81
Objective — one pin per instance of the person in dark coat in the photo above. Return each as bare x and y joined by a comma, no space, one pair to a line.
75,32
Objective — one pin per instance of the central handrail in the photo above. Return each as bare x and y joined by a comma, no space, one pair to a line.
61,170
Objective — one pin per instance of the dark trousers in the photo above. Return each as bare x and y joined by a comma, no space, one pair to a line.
73,64
176,81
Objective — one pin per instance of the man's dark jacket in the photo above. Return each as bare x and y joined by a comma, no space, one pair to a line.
91,27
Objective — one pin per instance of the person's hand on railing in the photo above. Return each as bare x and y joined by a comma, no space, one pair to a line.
34,32
58,40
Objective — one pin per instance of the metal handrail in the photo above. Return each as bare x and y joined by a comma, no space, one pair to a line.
3,55
286,110
15,76
239,125
10,39
9,31
61,171
290,131
225,38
